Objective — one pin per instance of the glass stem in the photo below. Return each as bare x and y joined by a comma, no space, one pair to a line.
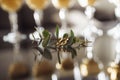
14,29
13,21
89,11
90,14
16,50
76,70
63,18
38,16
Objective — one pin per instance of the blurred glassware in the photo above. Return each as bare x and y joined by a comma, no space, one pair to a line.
63,5
91,31
38,6
104,52
14,36
17,69
11,6
89,7
43,68
115,31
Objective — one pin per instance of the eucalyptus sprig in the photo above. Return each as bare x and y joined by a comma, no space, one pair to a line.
65,43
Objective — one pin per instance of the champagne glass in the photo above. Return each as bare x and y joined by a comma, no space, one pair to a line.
104,50
14,37
89,7
63,5
38,6
115,31
91,32
113,68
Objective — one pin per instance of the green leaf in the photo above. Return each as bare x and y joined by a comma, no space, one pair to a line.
57,32
72,50
45,33
46,41
47,54
71,38
71,33
74,40
73,53
65,35
39,49
70,41
46,38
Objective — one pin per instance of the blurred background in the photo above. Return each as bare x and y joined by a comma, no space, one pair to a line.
51,18
79,15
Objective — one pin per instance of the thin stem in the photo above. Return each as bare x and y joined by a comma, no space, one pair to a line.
16,50
76,70
58,55
38,16
62,15
90,14
13,21
14,29
89,11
